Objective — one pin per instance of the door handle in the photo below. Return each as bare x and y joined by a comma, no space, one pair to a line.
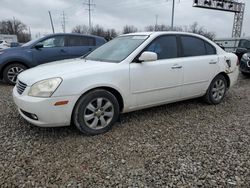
212,62
62,50
176,67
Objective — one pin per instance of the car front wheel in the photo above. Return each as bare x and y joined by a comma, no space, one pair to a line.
11,72
217,90
96,112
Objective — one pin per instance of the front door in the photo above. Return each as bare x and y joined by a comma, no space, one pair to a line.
160,81
53,50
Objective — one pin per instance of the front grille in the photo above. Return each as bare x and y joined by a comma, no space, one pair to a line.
20,87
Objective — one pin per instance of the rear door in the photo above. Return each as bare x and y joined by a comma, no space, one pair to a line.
53,50
159,81
79,45
200,62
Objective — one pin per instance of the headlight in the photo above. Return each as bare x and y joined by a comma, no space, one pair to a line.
44,88
246,57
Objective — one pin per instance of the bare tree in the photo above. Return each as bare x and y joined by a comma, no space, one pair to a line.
83,29
162,28
98,30
194,28
129,29
15,27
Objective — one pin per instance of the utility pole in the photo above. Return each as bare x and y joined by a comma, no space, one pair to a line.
14,25
29,33
89,9
51,21
156,21
63,22
172,22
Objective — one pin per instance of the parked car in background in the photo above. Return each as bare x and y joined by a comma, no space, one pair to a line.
239,46
14,44
46,49
4,44
131,72
245,64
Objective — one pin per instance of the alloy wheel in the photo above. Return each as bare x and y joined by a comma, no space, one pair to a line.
218,90
98,113
13,72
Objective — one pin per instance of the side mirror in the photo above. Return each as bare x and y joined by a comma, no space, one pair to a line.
148,56
39,45
241,50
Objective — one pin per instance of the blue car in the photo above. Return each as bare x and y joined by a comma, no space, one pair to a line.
46,49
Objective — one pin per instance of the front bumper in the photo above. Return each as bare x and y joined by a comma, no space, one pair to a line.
47,113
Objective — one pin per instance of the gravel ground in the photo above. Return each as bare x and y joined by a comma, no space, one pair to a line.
186,144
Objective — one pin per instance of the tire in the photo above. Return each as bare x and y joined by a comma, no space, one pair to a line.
11,71
96,112
217,90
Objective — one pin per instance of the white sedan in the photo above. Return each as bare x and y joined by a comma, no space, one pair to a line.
131,72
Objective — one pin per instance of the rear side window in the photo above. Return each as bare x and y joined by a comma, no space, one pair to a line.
165,47
192,46
81,41
210,49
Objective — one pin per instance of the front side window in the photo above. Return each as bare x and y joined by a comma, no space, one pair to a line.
81,41
53,42
165,47
1,41
192,46
117,49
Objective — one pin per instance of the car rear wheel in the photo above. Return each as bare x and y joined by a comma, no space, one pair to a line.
217,90
11,72
96,112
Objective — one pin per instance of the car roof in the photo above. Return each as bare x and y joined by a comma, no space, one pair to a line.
72,34
159,33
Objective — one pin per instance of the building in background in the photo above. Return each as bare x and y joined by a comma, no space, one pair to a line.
8,38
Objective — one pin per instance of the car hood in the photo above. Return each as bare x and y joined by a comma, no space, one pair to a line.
62,69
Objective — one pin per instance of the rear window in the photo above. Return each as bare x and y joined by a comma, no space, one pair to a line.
81,41
1,41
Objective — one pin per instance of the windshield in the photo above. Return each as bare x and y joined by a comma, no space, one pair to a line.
30,42
117,49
